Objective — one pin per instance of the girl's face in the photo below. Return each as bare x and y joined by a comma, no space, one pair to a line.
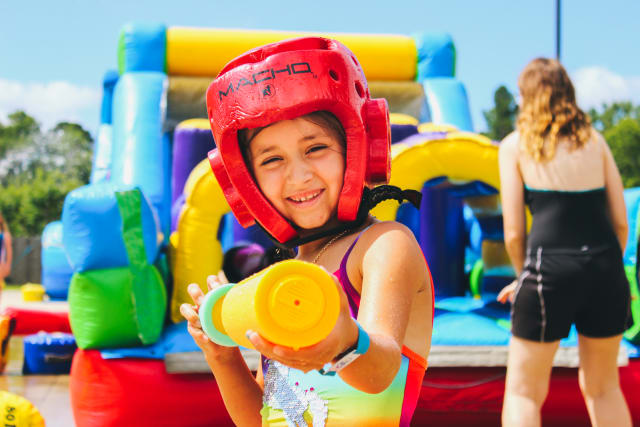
299,166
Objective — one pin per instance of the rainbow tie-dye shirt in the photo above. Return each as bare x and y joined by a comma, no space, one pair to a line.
293,398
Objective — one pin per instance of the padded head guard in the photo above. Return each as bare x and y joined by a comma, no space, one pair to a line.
282,81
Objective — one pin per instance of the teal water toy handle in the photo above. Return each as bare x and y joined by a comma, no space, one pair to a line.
210,316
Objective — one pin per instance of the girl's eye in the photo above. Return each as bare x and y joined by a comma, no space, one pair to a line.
270,160
316,148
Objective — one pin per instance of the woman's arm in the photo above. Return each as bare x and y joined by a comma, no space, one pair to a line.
512,197
615,196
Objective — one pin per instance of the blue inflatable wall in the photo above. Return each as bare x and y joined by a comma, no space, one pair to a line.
448,103
141,150
101,167
632,201
56,269
93,228
142,47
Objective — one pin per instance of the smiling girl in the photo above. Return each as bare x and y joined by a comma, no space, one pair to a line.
301,147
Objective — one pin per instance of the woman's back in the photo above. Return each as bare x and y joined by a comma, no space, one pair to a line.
567,195
578,169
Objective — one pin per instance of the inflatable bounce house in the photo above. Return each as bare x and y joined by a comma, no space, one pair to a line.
153,220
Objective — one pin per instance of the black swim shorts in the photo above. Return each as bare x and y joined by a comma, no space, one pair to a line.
558,287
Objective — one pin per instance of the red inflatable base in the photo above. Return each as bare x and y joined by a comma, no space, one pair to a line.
122,392
473,397
33,321
139,392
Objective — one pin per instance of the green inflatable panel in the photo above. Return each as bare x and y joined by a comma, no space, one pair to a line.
117,307
633,333
123,306
475,278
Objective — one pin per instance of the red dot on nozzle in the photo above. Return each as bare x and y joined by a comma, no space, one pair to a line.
297,302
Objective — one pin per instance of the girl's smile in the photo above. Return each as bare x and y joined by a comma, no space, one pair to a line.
299,166
305,199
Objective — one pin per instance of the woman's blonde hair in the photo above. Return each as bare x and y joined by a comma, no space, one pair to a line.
548,110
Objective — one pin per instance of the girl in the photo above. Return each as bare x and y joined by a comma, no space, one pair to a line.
570,266
300,142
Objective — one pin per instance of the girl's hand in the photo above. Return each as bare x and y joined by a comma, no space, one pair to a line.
508,292
343,335
190,312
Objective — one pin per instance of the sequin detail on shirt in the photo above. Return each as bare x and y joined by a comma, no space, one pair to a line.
279,393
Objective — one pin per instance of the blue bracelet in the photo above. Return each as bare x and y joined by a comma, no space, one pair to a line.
349,355
363,340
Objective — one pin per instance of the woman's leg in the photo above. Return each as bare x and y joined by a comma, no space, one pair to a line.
600,383
528,371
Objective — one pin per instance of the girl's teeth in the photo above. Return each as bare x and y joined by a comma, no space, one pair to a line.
304,199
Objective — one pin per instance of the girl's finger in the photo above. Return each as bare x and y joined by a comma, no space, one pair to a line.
222,277
196,293
213,282
190,314
197,334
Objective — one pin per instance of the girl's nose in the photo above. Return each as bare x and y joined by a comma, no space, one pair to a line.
299,172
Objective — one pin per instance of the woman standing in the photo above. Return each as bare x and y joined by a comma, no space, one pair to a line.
570,268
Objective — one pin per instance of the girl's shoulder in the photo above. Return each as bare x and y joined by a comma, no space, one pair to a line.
388,237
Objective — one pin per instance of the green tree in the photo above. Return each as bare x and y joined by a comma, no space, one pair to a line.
38,169
18,132
612,114
30,204
624,140
501,118
619,123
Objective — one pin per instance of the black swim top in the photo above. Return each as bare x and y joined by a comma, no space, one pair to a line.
569,219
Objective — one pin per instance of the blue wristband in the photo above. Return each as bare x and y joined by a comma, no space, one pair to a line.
349,355
363,340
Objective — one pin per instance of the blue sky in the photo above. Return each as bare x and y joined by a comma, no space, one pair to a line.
53,54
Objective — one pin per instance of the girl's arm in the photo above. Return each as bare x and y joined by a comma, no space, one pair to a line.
241,392
393,270
512,197
615,197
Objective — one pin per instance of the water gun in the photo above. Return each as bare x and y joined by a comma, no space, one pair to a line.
291,303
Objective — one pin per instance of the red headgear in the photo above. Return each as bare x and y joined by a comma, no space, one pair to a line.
282,81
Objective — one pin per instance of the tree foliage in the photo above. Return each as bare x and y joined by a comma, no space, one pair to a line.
38,169
501,118
612,114
619,123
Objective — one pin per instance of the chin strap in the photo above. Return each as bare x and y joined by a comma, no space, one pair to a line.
370,199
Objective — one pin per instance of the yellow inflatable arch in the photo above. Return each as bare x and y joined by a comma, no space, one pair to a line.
460,156
196,250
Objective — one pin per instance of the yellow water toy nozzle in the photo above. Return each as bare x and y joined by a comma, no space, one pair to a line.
292,303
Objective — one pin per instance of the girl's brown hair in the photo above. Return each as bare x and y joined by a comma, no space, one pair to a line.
548,110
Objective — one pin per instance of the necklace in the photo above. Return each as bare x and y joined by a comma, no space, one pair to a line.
329,243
